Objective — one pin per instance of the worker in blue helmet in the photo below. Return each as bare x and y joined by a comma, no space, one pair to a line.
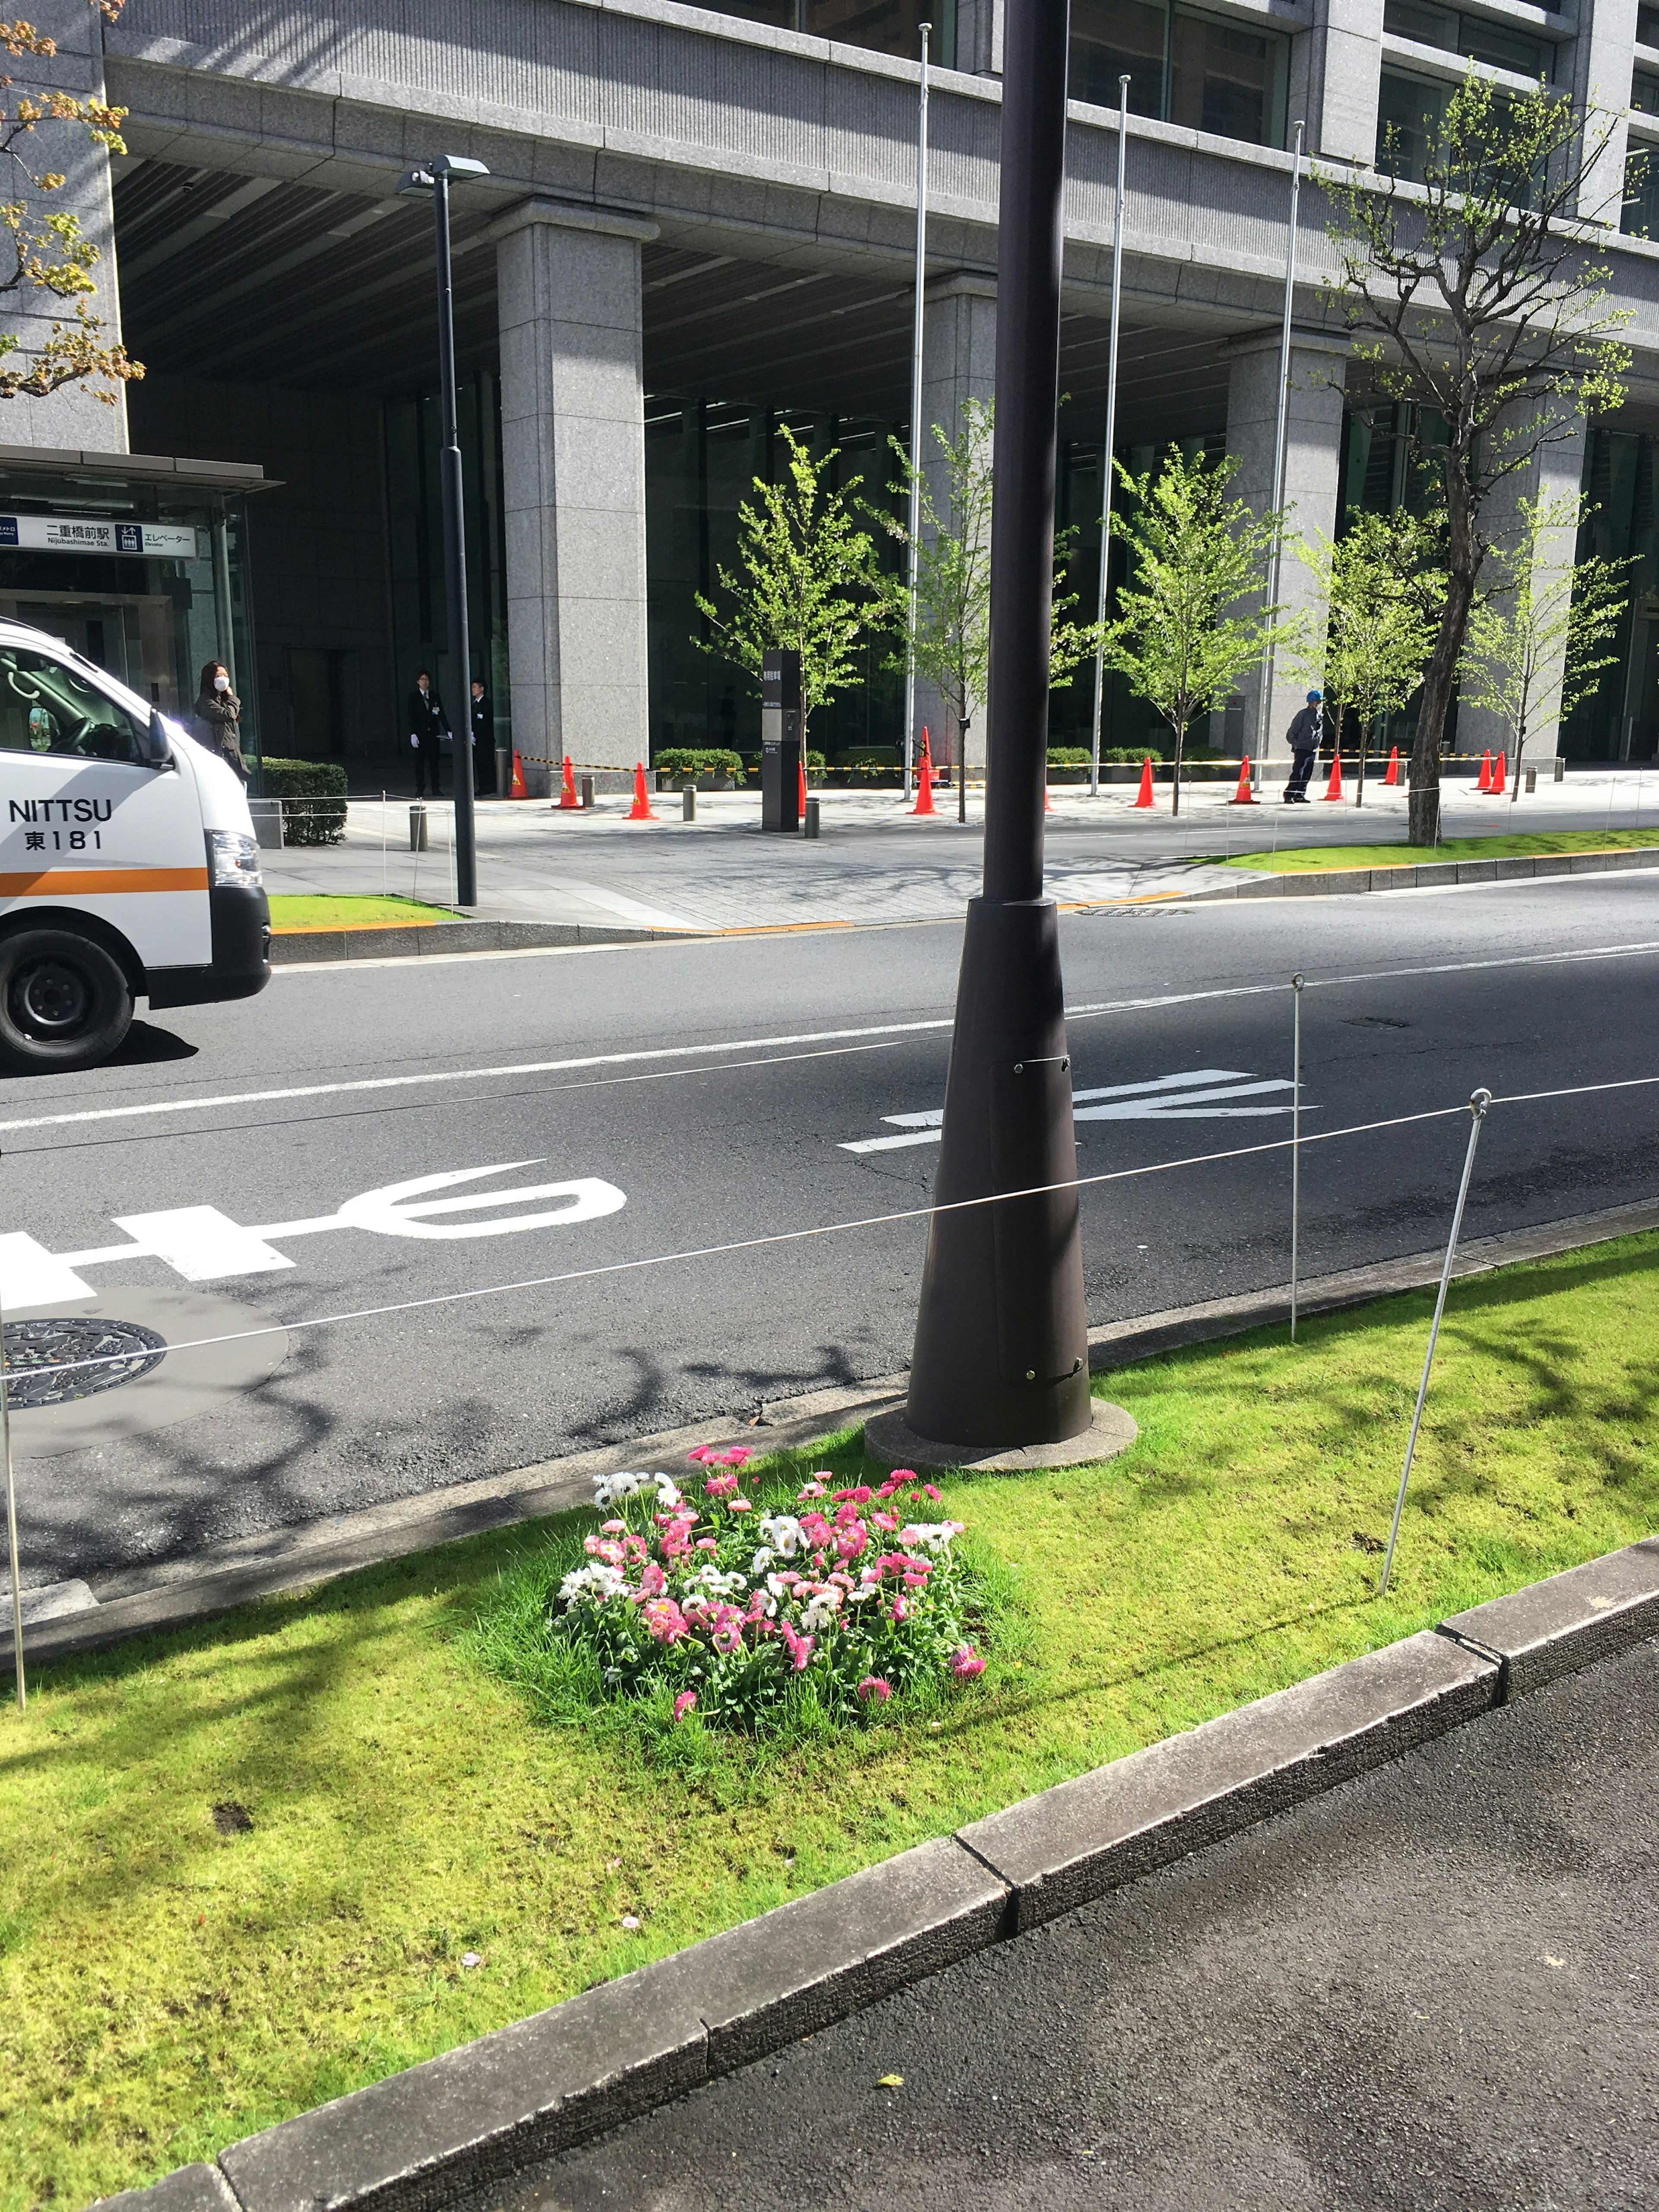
1306,734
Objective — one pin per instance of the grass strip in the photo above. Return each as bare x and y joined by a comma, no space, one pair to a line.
242,1867
294,911
1397,854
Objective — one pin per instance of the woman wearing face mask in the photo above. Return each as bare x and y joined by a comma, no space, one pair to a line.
218,712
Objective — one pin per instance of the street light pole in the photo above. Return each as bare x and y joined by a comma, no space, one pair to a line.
1001,1349
1111,431
435,177
915,408
1266,704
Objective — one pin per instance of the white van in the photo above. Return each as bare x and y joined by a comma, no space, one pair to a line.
128,868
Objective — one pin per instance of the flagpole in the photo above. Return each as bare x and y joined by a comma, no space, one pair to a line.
1111,431
915,411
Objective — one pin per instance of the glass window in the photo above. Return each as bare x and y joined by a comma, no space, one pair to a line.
1495,44
47,708
1640,218
1409,113
1183,67
1644,94
1647,27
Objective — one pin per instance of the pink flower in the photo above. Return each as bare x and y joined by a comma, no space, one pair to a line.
704,1453
900,1475
861,1496
707,1544
613,1527
722,1486
739,1504
873,1687
887,1521
665,1620
727,1626
929,1491
965,1660
739,1455
813,1489
901,1608
851,1542
652,1581
800,1646
685,1703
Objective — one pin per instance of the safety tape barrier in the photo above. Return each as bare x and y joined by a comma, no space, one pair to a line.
843,1228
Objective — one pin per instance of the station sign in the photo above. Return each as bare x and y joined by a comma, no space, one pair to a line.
91,533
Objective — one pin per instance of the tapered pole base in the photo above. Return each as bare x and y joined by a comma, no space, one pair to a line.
1002,1350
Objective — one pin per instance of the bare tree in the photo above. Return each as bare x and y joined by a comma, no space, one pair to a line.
1476,298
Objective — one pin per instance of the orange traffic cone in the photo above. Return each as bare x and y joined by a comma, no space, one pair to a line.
1144,796
568,798
1333,788
1393,775
640,809
800,789
1244,796
1048,803
924,778
518,789
1498,768
1483,781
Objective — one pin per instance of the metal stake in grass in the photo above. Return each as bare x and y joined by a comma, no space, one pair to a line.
1478,1105
11,1525
1296,1145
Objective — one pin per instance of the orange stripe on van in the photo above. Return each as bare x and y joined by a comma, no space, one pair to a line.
99,883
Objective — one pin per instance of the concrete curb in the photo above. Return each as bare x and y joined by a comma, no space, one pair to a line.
426,2138
306,947
1422,875
173,1594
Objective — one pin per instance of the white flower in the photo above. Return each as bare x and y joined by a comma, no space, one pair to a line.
611,1489
762,1559
930,1535
599,1581
668,1494
730,1585
821,1611
857,1596
782,1530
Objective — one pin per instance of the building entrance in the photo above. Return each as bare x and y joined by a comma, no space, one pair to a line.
130,634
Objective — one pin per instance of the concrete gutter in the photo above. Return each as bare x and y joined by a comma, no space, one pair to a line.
427,2137
1311,883
175,1593
297,948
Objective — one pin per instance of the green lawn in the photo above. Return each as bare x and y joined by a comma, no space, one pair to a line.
166,1987
1400,855
324,910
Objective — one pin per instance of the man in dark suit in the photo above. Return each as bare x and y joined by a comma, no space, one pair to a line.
1306,735
429,726
483,734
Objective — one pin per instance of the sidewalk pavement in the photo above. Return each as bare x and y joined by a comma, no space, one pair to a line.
875,861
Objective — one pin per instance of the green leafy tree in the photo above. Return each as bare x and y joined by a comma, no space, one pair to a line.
1537,639
42,247
1383,587
1184,633
951,636
1477,301
810,584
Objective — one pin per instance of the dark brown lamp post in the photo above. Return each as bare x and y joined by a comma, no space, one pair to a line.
1001,1352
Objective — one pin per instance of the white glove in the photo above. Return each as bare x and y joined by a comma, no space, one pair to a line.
415,742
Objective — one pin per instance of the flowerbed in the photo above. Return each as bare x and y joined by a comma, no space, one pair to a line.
839,1600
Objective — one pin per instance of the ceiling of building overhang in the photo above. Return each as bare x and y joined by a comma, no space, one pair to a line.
256,280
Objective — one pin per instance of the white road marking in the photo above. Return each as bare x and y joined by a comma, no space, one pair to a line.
205,1246
1186,1097
806,1037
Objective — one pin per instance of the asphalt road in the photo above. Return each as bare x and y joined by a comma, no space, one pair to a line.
707,1092
1432,1990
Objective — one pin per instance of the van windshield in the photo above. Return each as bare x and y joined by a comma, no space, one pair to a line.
46,707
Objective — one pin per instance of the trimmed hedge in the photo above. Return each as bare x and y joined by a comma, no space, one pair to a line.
692,760
313,794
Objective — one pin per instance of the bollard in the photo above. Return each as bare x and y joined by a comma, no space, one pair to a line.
688,802
1560,769
417,829
587,791
1532,778
811,823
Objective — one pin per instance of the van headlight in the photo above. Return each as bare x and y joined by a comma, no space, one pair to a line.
233,859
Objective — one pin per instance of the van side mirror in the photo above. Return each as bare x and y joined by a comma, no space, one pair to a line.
158,746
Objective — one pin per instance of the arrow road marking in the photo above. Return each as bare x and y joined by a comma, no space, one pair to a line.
205,1246
1187,1097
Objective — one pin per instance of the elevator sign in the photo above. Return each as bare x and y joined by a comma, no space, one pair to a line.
91,533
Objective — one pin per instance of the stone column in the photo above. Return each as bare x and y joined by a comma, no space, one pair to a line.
573,453
73,418
1600,65
1555,477
958,363
1313,477
1334,75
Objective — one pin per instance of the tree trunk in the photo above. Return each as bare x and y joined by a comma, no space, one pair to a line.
1423,815
1180,738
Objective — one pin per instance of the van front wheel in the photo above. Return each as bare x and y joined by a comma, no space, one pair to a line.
64,1002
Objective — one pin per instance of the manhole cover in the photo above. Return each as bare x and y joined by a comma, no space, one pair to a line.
35,1348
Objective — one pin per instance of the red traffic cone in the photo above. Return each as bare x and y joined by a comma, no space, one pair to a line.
924,778
568,798
1144,796
1393,775
800,789
1333,788
1244,796
518,789
640,809
1498,769
1483,781
1048,803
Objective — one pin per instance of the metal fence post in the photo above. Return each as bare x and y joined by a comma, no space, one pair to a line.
1295,1147
1478,1105
11,1527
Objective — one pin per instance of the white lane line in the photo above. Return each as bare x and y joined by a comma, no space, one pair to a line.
806,1037
1164,1099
